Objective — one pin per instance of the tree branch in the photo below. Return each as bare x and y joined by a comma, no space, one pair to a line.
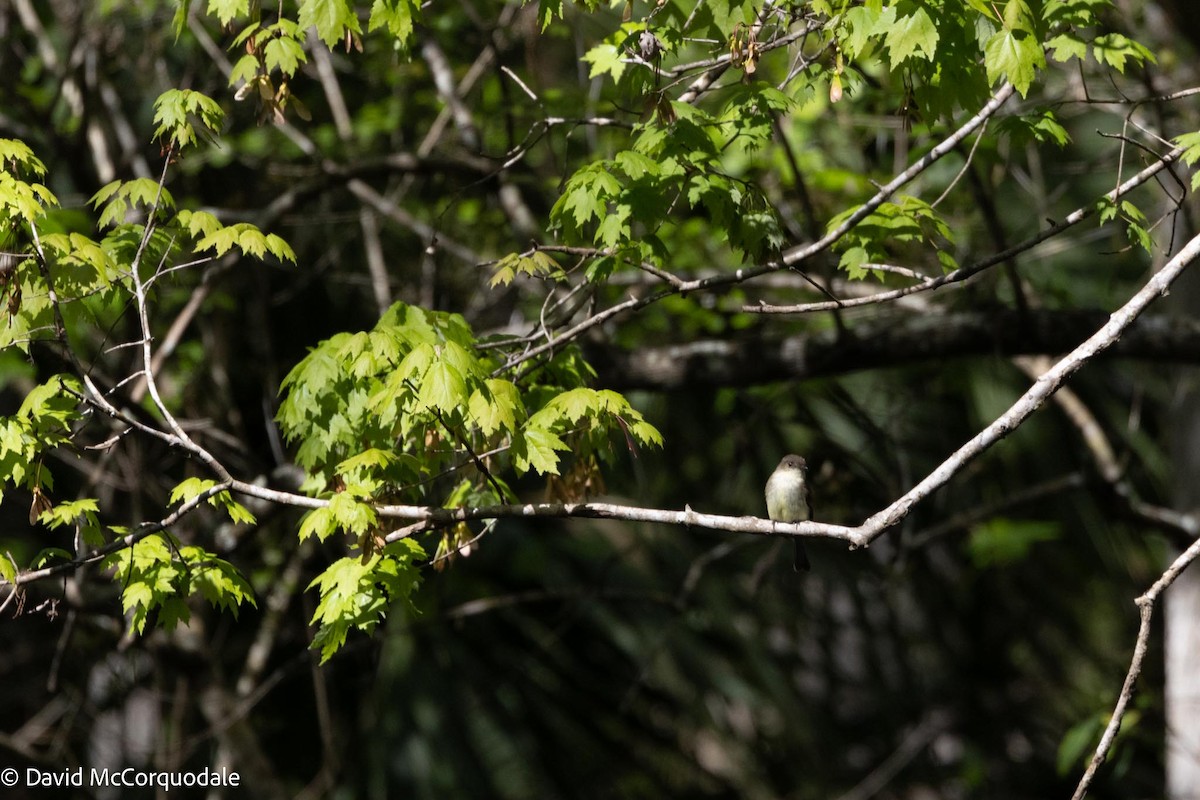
884,342
963,273
1029,402
1145,604
127,540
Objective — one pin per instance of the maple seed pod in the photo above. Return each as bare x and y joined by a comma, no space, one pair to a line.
41,504
835,89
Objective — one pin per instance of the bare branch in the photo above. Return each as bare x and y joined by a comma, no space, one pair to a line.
139,291
1029,402
1145,604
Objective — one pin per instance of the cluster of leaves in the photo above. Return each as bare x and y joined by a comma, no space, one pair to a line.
44,421
176,112
193,488
158,575
334,21
953,55
625,203
949,58
22,201
909,221
155,572
379,414
1137,227
1190,142
275,48
80,268
536,264
1072,24
391,414
357,592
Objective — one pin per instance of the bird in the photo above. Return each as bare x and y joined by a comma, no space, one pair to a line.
787,500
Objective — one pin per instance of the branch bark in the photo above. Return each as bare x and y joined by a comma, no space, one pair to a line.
886,342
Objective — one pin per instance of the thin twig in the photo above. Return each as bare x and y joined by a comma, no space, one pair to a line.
139,291
963,273
128,540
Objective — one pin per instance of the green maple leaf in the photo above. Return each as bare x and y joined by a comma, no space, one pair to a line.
912,34
332,19
1015,55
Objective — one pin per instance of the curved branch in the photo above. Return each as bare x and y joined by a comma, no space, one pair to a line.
859,536
139,292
